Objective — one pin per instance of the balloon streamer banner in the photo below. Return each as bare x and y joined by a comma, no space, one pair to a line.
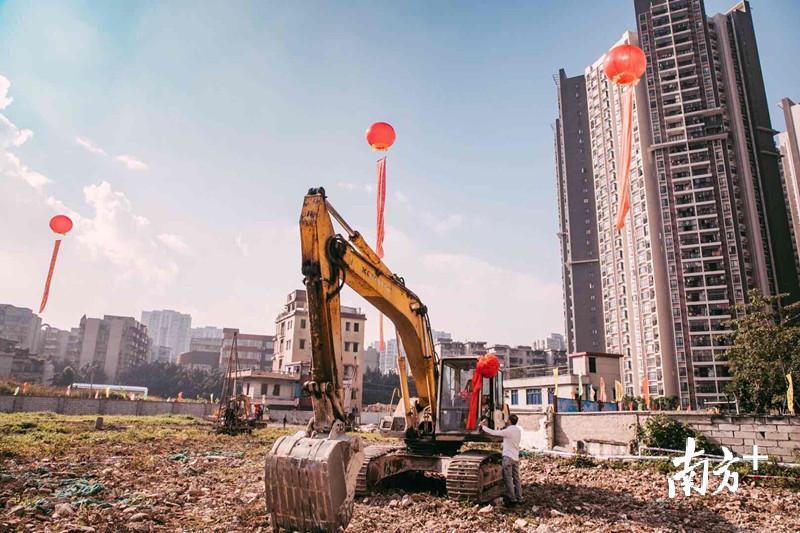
625,153
381,231
624,65
60,224
380,136
790,394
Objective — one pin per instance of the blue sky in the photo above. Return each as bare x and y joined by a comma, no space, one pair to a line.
209,121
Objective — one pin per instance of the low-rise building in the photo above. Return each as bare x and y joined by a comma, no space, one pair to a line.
372,359
21,325
293,343
270,388
447,347
255,351
532,388
197,359
53,343
19,364
206,344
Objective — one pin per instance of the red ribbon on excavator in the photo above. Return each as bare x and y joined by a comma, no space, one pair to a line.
487,367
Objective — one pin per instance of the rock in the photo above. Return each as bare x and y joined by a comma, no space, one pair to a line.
544,528
63,510
487,509
393,503
138,526
520,523
406,502
553,512
138,517
497,501
365,501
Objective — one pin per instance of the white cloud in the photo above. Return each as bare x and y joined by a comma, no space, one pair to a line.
471,297
349,186
5,100
442,225
119,235
242,246
131,162
173,242
401,197
13,137
89,146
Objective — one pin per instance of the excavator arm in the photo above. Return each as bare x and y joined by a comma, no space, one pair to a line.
310,477
331,261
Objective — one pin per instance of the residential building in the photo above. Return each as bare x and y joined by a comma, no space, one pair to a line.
789,147
555,341
722,215
205,332
20,365
532,388
202,360
577,218
372,359
388,356
168,328
254,351
206,344
21,325
271,388
451,348
112,344
514,356
707,219
53,343
162,354
293,343
440,335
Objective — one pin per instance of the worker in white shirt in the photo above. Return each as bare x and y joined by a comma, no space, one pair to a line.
511,434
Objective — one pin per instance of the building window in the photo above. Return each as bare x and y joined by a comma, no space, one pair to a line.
302,344
353,394
276,390
592,365
302,323
347,326
346,346
533,396
355,346
355,327
514,397
264,389
289,344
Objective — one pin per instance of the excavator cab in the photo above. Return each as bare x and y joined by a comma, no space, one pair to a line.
455,395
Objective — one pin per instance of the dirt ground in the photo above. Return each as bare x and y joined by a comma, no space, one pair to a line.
58,473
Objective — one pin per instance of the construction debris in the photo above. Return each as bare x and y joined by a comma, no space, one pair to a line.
160,478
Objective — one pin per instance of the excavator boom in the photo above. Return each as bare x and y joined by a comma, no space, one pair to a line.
311,477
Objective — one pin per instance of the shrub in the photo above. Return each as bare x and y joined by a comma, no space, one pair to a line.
661,431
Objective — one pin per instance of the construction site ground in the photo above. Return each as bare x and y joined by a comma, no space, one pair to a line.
58,473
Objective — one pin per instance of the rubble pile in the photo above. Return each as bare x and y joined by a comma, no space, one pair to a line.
183,477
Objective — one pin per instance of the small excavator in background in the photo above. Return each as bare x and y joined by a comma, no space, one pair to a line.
312,477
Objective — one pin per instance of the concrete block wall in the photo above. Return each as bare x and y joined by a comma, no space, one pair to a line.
101,406
607,433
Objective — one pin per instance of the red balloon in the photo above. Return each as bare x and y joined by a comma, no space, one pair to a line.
380,136
61,224
625,64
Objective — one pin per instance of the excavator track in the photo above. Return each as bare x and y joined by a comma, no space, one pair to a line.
371,453
476,476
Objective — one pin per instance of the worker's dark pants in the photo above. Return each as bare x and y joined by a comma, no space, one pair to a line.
511,477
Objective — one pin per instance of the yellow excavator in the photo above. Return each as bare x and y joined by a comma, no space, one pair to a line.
312,477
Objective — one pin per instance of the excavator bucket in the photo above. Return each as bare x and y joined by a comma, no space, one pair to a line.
310,482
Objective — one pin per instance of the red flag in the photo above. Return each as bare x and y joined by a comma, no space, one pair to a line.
625,151
646,392
381,344
50,275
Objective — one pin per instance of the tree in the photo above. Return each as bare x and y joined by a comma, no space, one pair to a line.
766,347
168,379
378,387
65,377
